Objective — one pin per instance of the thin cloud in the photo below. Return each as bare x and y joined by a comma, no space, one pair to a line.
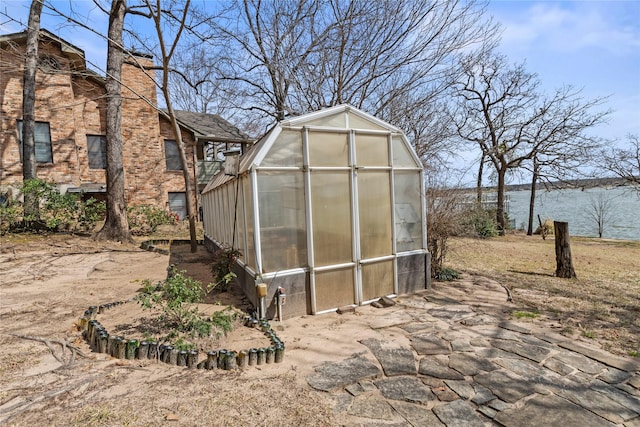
573,27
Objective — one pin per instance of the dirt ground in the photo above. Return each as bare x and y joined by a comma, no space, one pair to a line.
46,283
602,304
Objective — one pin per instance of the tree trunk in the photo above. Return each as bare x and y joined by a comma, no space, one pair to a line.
532,199
564,264
188,179
479,181
116,226
31,202
500,203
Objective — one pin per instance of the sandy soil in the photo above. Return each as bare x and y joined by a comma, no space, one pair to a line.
46,283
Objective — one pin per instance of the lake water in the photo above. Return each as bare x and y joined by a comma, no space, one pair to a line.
574,205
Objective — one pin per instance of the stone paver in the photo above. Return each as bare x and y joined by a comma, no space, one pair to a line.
523,367
602,356
410,389
614,376
463,388
482,396
530,351
558,366
430,343
580,362
461,344
505,385
434,368
374,407
394,360
470,364
337,375
458,414
416,415
618,395
598,403
550,410
477,369
453,313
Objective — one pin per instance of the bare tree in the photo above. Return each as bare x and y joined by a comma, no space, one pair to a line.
624,162
116,226
504,114
29,170
600,211
170,21
295,56
198,86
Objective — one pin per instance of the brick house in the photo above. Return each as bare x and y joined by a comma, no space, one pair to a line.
70,128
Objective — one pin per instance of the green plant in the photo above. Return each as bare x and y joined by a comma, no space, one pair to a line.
448,274
176,298
222,267
145,219
55,211
480,223
9,216
525,314
634,353
588,334
181,344
224,320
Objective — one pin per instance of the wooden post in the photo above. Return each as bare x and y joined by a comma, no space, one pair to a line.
564,264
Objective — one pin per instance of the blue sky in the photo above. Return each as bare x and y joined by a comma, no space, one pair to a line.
594,45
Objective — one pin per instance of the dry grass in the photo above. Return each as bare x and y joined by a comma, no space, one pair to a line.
603,303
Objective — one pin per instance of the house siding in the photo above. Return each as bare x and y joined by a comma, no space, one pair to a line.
75,106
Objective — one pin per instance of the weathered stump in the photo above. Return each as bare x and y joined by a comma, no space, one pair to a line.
564,264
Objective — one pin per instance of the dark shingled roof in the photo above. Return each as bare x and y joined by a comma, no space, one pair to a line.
212,125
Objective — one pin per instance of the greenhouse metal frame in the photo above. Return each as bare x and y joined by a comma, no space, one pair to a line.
337,199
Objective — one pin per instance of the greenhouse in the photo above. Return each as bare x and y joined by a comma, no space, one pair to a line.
328,209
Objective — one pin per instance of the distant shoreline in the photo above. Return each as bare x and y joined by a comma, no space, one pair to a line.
561,185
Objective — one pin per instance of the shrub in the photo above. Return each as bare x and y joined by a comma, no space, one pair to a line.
55,211
443,221
145,219
9,216
448,274
480,223
177,297
222,267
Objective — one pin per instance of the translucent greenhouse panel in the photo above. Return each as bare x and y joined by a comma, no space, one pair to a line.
328,149
372,150
334,121
250,255
334,288
377,280
331,216
283,230
408,211
240,221
286,150
227,212
357,122
374,203
402,158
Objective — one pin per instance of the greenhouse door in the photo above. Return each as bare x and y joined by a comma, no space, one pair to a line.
376,259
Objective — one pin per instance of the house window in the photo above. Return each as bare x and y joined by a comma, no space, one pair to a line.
97,149
42,138
178,204
172,155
